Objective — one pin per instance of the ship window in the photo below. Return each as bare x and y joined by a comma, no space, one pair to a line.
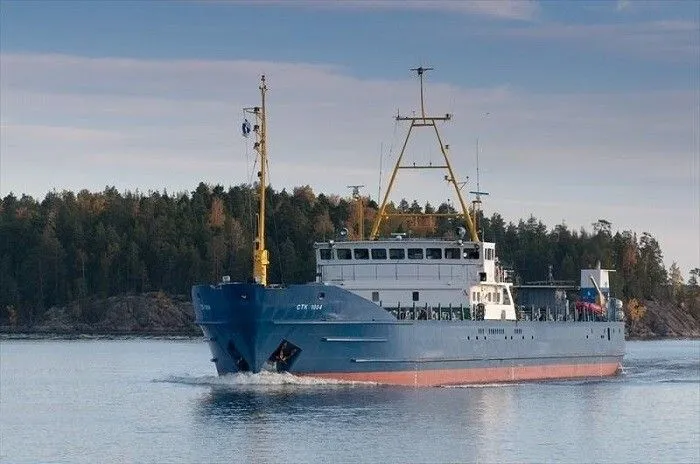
378,253
433,253
482,275
397,253
343,253
416,296
451,253
415,253
361,253
498,297
375,296
488,253
325,253
506,300
471,253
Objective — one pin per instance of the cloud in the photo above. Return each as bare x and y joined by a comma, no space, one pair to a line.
665,39
70,122
522,10
503,9
622,5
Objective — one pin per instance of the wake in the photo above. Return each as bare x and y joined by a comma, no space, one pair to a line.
243,380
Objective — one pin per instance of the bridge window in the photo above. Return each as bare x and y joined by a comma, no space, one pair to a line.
375,296
343,253
416,296
397,253
378,253
489,254
451,253
433,253
471,253
325,253
415,253
506,300
361,253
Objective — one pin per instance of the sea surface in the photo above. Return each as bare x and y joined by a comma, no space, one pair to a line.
148,400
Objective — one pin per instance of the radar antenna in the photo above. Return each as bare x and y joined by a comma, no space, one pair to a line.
420,70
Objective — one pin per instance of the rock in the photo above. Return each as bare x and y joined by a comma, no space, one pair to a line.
153,313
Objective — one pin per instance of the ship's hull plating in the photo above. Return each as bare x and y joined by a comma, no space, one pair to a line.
328,332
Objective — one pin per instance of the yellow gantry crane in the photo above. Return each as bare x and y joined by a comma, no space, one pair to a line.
420,122
261,256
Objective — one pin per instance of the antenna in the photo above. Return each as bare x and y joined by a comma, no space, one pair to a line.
381,155
420,70
358,198
476,204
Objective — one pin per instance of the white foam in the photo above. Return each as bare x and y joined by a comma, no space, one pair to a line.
261,379
483,385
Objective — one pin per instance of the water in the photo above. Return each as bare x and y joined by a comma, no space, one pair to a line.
158,401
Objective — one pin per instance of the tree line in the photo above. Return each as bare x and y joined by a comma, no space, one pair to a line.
68,246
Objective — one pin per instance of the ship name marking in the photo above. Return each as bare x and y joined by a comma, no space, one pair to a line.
315,307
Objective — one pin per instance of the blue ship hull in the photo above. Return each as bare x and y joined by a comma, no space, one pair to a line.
326,331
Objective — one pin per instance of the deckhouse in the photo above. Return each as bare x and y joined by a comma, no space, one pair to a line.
443,278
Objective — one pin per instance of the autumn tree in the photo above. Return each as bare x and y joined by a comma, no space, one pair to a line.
635,311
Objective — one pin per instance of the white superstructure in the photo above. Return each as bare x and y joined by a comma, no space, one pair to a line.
419,273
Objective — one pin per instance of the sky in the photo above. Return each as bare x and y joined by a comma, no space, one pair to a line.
583,110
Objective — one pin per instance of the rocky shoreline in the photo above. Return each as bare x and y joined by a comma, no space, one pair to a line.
163,316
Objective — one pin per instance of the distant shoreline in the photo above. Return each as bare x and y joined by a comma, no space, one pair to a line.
29,335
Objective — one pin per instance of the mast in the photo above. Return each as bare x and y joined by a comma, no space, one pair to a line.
476,203
420,122
260,254
360,210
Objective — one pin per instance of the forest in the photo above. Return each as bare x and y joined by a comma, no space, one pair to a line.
69,247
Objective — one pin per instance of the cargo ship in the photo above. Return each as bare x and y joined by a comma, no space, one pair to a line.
401,310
